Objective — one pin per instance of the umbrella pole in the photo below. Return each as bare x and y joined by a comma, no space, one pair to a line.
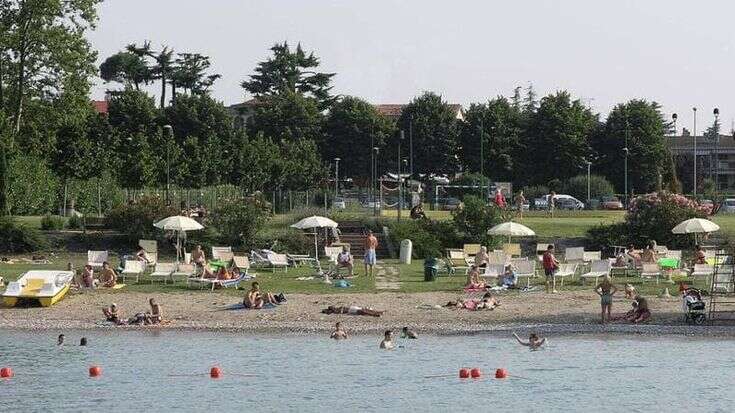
316,246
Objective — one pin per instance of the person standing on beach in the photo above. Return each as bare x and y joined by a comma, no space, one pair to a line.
387,343
606,289
371,244
499,199
550,265
338,333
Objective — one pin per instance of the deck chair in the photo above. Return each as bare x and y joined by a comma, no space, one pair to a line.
703,271
183,270
574,254
133,268
661,250
590,256
151,249
512,250
258,258
674,254
598,268
96,258
541,248
566,270
242,263
470,250
277,261
163,270
496,257
222,253
525,268
332,253
456,260
493,271
650,270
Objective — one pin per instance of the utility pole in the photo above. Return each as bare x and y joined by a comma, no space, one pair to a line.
410,142
482,148
399,204
336,178
375,151
716,112
625,152
694,183
169,136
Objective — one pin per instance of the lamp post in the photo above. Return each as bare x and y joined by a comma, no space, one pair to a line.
674,117
169,132
399,203
410,142
625,153
589,197
336,177
482,148
716,168
375,151
694,182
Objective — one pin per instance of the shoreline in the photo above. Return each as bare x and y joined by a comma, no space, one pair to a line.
569,312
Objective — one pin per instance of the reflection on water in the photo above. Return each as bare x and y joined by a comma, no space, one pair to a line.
167,371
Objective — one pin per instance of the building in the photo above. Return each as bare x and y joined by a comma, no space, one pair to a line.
101,106
393,111
715,158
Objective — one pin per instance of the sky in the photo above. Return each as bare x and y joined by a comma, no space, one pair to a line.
678,53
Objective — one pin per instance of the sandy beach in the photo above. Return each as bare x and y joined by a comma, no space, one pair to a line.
564,312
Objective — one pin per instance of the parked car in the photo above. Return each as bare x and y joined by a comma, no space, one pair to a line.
540,203
339,203
371,204
727,207
450,204
611,202
561,201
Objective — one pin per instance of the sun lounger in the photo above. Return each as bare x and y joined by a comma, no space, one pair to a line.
574,254
493,271
184,271
498,258
598,268
541,248
212,283
589,256
566,270
163,270
650,270
151,249
222,253
674,254
277,261
332,253
512,250
703,271
525,268
96,258
133,268
456,260
470,250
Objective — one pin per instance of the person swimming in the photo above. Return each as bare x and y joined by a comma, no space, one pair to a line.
406,333
83,342
60,340
387,343
534,342
338,333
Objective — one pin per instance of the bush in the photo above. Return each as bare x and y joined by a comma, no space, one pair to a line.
93,194
289,240
577,187
425,244
33,187
52,222
74,222
136,219
603,237
238,221
15,237
475,218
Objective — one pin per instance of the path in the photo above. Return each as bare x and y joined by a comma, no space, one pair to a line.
387,277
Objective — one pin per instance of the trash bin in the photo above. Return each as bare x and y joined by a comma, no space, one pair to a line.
431,268
406,251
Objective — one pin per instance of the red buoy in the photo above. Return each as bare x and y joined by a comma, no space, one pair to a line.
464,373
6,372
475,373
95,371
215,372
501,373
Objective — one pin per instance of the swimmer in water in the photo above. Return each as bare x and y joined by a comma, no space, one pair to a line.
406,333
83,341
534,342
60,340
338,333
387,343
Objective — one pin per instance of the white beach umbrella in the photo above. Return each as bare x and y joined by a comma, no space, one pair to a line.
314,222
511,229
695,226
179,224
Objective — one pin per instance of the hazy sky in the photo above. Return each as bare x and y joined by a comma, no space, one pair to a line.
679,53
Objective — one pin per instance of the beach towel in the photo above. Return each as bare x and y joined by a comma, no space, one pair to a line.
342,284
118,286
240,306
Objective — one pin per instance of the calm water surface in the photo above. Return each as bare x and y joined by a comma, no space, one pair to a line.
311,373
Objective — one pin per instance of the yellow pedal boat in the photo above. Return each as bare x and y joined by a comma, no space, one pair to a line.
46,286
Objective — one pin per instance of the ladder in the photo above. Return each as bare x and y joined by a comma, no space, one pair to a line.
722,289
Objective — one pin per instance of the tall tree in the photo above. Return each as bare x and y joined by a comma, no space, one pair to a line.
352,128
45,43
434,126
557,139
189,74
648,155
4,181
127,68
287,116
291,72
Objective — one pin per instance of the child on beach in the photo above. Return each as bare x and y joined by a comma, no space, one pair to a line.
533,343
387,343
606,289
550,265
338,333
108,277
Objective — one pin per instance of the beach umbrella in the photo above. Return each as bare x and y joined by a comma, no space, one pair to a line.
314,222
179,224
511,229
695,226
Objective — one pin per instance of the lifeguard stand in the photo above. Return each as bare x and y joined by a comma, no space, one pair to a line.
722,289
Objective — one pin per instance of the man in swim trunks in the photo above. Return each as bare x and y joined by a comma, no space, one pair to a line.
534,342
606,289
338,333
108,276
387,343
371,243
352,310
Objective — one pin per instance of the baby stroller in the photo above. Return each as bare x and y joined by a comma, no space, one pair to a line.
694,307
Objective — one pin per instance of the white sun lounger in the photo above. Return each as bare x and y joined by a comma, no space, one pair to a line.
566,270
650,270
525,268
222,253
96,258
133,268
163,270
574,254
493,271
598,268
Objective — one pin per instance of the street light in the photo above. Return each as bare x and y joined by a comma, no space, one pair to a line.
336,178
375,152
589,165
674,117
716,112
694,183
625,153
399,203
169,131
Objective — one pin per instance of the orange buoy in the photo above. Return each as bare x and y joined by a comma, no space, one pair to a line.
501,373
6,372
464,373
475,373
95,371
215,372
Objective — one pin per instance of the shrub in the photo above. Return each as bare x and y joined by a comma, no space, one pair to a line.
136,219
475,218
33,187
52,222
289,240
74,222
577,187
425,244
238,221
602,237
15,237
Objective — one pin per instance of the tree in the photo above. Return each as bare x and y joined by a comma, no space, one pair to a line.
131,111
556,142
261,164
189,73
46,44
303,165
75,153
291,72
499,124
352,128
288,116
433,124
576,186
648,155
127,68
4,181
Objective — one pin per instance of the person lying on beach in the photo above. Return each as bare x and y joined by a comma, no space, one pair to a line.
473,279
352,310
534,342
223,274
338,333
108,276
387,343
255,299
638,314
406,333
111,314
488,302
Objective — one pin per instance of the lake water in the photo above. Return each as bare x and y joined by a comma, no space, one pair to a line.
311,373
